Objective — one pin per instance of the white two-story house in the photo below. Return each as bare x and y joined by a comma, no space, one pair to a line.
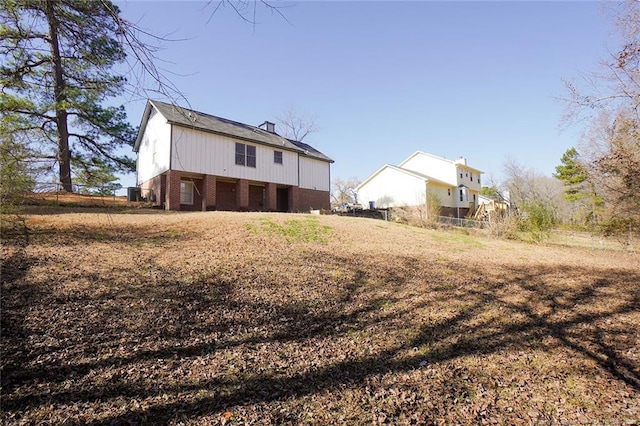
455,184
189,160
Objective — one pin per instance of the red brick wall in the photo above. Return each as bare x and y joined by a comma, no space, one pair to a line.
209,193
212,194
242,194
256,198
173,191
270,197
311,199
225,195
153,190
294,199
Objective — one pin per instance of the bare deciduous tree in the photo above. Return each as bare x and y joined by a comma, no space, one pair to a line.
345,191
295,125
609,102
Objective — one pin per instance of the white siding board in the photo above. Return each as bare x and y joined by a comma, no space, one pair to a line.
314,174
393,188
447,196
431,166
155,139
207,153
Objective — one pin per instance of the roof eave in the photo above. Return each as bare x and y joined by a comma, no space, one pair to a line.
242,138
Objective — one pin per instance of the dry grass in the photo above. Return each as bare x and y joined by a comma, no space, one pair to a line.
243,318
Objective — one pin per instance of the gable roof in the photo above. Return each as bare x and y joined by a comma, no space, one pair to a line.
192,119
407,172
417,153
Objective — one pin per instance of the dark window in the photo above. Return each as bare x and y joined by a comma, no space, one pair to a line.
240,157
245,155
186,192
460,175
277,157
471,176
449,191
251,156
474,198
461,196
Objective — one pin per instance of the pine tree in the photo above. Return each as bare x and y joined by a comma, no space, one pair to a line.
572,174
56,74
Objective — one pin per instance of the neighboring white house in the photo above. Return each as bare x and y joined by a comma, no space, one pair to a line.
455,184
189,160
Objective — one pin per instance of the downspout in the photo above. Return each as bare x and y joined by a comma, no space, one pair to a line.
170,146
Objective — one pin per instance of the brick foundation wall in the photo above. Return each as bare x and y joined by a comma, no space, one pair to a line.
153,190
270,197
225,196
452,211
311,199
242,194
209,193
293,199
172,201
256,198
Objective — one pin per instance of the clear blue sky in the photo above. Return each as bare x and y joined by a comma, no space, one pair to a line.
384,79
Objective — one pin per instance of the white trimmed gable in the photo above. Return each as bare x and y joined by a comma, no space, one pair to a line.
407,183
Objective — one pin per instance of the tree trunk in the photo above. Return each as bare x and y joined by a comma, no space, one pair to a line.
64,154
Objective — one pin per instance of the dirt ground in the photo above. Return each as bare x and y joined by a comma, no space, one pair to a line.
146,317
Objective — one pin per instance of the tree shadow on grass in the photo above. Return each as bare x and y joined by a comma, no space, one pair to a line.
213,322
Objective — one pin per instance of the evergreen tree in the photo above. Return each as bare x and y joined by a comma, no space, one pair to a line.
490,192
56,73
16,175
96,180
572,174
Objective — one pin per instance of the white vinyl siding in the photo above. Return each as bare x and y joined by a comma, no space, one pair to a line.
443,170
314,174
431,166
153,153
446,195
200,152
393,188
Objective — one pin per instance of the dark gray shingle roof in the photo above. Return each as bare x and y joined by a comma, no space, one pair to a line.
210,123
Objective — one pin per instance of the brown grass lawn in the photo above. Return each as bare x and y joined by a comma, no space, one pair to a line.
248,318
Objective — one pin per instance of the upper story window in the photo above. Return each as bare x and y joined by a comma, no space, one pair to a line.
245,155
449,191
277,157
461,175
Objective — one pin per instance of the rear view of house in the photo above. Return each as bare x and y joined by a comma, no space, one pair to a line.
189,160
452,182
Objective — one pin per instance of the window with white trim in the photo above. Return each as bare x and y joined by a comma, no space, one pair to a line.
245,155
277,157
186,192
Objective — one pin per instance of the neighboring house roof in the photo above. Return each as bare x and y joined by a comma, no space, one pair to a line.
457,163
210,123
407,172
